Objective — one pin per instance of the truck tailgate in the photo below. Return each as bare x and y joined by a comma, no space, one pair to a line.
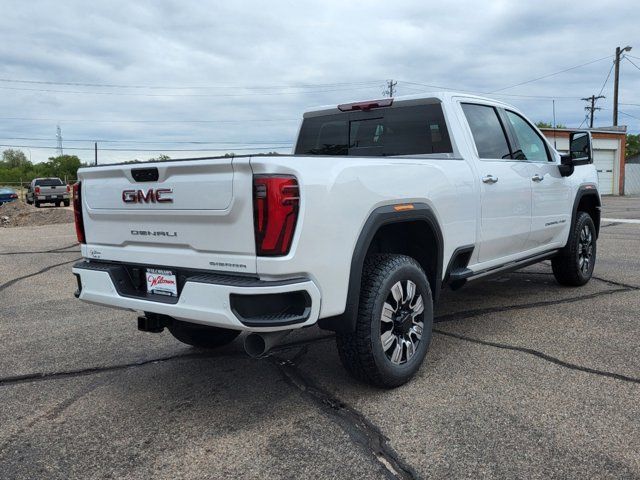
189,214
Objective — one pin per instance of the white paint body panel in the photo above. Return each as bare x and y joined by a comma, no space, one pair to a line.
214,229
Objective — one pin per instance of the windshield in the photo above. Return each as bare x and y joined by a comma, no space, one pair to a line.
419,129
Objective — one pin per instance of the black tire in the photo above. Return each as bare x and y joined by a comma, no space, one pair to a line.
362,352
58,204
67,203
201,336
574,265
36,203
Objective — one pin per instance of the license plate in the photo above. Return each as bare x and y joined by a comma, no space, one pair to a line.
162,282
54,196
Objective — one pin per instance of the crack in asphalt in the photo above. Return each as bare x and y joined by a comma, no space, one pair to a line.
39,272
44,376
542,355
483,311
54,250
359,428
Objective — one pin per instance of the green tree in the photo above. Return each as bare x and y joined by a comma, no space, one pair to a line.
61,166
633,145
548,125
161,157
14,159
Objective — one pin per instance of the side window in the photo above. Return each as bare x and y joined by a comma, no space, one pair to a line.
531,146
487,131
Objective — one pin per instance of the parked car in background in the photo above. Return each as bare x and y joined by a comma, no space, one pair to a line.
7,195
48,190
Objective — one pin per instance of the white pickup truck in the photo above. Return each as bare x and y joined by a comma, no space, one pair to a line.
381,205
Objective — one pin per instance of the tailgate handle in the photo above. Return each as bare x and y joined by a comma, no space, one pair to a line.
145,174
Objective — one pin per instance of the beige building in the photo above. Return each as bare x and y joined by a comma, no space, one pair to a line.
608,155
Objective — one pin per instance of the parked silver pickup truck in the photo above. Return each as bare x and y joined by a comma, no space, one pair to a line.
48,190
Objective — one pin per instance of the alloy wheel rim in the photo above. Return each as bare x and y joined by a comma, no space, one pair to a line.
585,249
402,322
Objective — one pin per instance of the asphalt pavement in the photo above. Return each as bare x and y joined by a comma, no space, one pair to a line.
524,379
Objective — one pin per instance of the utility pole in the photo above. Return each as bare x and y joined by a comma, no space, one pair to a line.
591,109
59,138
95,151
616,80
390,87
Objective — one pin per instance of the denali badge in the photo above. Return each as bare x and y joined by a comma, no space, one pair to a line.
157,233
159,195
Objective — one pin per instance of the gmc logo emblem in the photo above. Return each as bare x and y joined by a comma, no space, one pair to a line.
159,195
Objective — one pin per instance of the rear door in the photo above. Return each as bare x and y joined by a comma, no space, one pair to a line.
190,214
505,186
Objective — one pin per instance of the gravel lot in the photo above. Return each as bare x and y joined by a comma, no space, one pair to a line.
524,379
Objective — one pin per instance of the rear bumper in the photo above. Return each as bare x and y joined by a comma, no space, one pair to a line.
53,198
234,302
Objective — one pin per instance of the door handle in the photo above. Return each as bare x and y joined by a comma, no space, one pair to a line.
489,179
537,178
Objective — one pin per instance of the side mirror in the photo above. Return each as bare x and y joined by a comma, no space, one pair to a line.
580,153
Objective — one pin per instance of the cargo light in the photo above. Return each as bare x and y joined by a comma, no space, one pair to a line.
77,212
365,106
276,200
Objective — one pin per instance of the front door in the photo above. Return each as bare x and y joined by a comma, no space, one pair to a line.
551,192
505,186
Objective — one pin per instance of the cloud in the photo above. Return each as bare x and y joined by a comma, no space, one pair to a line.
250,54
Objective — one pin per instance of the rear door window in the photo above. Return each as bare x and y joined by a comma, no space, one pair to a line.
488,133
414,130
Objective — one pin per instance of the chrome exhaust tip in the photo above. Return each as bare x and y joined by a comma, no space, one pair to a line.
258,344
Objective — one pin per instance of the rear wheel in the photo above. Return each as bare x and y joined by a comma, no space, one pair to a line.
574,265
67,203
58,204
393,328
36,203
201,336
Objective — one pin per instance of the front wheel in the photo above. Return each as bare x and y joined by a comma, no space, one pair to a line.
574,265
393,327
201,336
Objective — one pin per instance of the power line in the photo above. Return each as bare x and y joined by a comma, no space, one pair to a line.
130,94
632,63
78,120
194,87
629,115
153,142
551,74
545,97
606,79
147,149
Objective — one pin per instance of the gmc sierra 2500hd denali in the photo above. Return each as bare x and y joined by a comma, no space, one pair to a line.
382,204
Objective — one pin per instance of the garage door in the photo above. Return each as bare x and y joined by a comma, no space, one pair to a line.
603,161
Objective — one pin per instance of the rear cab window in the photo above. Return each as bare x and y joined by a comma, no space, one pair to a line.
399,130
49,182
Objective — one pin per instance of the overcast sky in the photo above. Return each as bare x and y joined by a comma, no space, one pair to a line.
244,71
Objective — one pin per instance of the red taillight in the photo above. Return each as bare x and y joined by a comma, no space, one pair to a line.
68,188
14,195
37,190
77,212
276,199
